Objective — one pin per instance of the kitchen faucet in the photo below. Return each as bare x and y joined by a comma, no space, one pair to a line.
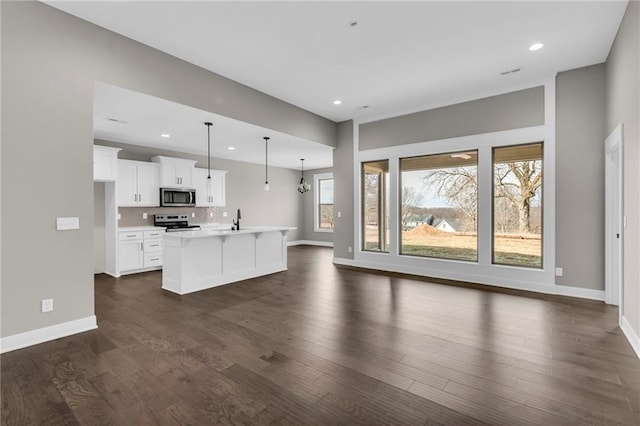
236,223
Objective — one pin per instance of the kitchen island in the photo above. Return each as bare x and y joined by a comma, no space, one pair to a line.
197,260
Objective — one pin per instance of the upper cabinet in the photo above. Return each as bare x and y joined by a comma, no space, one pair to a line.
212,195
138,184
105,163
175,172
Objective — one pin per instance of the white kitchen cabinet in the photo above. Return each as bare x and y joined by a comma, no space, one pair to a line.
175,172
130,255
139,251
205,196
138,184
152,247
105,163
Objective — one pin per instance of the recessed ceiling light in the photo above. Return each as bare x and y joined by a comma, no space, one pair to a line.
231,148
337,102
536,46
165,135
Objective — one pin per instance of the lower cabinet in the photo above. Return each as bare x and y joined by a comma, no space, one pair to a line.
139,251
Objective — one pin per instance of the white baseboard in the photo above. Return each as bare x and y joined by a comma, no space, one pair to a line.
583,293
560,290
631,336
310,243
343,261
41,335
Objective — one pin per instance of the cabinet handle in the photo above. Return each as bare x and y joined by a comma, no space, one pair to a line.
130,236
154,245
135,197
139,197
141,247
155,258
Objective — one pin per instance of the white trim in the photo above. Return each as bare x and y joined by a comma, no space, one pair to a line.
316,200
560,290
631,336
310,243
579,292
482,271
41,335
344,261
612,144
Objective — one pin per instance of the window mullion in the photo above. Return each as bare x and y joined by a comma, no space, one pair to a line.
485,205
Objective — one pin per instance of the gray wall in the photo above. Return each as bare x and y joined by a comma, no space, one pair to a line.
244,189
469,118
623,97
308,203
50,61
343,197
580,132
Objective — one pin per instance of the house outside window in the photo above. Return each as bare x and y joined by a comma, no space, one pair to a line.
323,211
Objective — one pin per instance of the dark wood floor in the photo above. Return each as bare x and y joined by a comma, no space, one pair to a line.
319,344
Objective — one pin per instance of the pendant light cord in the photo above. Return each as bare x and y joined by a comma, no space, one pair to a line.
266,159
208,149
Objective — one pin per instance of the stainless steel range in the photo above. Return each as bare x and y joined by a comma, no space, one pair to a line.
174,222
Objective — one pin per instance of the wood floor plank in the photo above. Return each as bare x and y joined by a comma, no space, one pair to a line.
320,344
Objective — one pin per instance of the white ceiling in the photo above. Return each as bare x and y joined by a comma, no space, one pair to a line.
143,118
401,57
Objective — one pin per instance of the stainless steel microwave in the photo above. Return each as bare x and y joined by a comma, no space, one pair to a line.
177,197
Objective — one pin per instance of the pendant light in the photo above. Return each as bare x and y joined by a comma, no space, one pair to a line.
266,159
303,186
209,182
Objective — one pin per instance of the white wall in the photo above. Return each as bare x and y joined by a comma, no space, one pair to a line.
98,227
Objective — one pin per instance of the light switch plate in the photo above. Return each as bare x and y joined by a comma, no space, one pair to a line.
144,215
47,305
224,214
67,223
559,272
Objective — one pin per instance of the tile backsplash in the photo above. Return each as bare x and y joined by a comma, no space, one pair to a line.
132,216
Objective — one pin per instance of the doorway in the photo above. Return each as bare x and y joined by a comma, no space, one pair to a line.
613,218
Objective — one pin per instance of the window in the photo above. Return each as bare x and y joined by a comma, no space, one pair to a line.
375,199
323,212
517,205
439,206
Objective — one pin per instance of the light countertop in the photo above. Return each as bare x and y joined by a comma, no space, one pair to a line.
209,233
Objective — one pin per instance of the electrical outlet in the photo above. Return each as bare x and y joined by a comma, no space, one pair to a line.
47,305
559,272
350,249
210,214
224,214
193,214
119,216
144,215
339,214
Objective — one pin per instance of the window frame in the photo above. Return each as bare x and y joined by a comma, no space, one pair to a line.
493,207
483,271
400,194
317,178
383,210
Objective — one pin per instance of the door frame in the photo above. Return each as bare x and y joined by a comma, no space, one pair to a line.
613,148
